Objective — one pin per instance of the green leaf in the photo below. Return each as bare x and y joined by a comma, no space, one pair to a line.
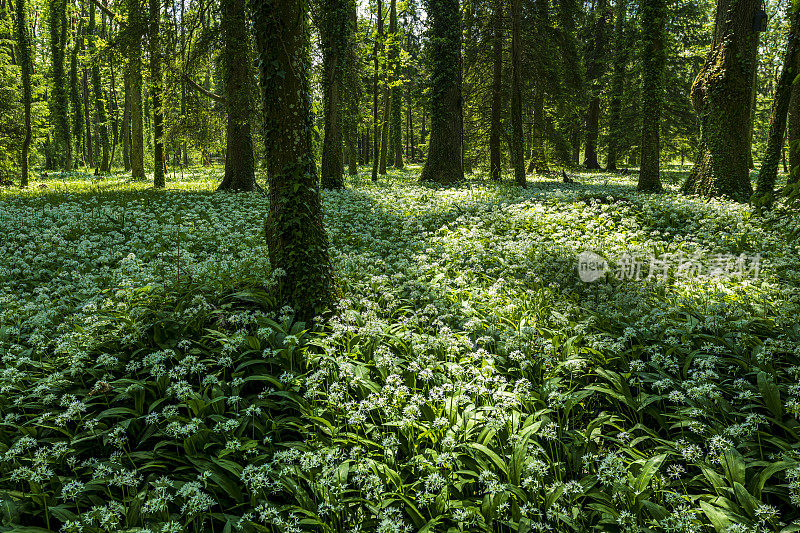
771,394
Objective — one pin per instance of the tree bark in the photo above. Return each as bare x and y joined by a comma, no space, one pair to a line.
239,159
296,238
75,97
617,84
495,164
721,97
396,120
134,74
444,163
157,94
517,141
376,125
126,124
653,18
334,35
26,68
59,101
793,128
765,189
99,101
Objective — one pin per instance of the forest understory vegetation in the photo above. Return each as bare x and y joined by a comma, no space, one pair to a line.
470,381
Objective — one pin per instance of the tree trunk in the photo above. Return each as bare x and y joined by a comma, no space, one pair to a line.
239,159
297,241
396,120
126,124
495,165
765,189
387,109
444,164
595,68
653,17
334,35
793,128
87,121
133,72
59,101
99,101
75,96
721,97
617,84
26,68
590,161
517,141
157,92
376,125
353,89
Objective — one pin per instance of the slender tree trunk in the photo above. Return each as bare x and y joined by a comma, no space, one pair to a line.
26,68
59,101
653,17
793,128
157,94
375,122
353,90
396,121
126,124
721,96
75,96
617,84
87,121
296,238
595,68
753,104
444,163
99,101
239,159
517,141
134,75
495,164
334,35
765,189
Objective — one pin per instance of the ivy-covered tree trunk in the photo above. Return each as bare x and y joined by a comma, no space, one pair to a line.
26,68
495,165
59,102
99,101
721,97
793,128
75,96
334,33
133,73
653,18
396,114
353,91
297,241
768,174
444,164
517,140
620,61
126,123
157,94
376,124
239,158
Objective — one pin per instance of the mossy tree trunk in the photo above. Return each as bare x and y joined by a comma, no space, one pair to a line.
297,241
157,94
376,124
334,30
59,101
444,163
793,128
133,71
26,68
352,91
768,174
517,140
620,61
396,114
239,158
495,164
721,96
126,123
653,19
75,96
99,101
595,69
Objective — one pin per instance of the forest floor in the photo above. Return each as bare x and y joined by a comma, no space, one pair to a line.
472,380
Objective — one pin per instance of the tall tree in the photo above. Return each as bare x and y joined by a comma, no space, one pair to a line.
793,127
595,68
239,158
296,238
653,17
495,165
444,164
157,94
396,100
352,91
721,96
517,140
334,29
59,102
376,125
768,174
75,96
620,60
133,73
99,100
26,68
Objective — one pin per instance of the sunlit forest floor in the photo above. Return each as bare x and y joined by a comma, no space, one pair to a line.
471,380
